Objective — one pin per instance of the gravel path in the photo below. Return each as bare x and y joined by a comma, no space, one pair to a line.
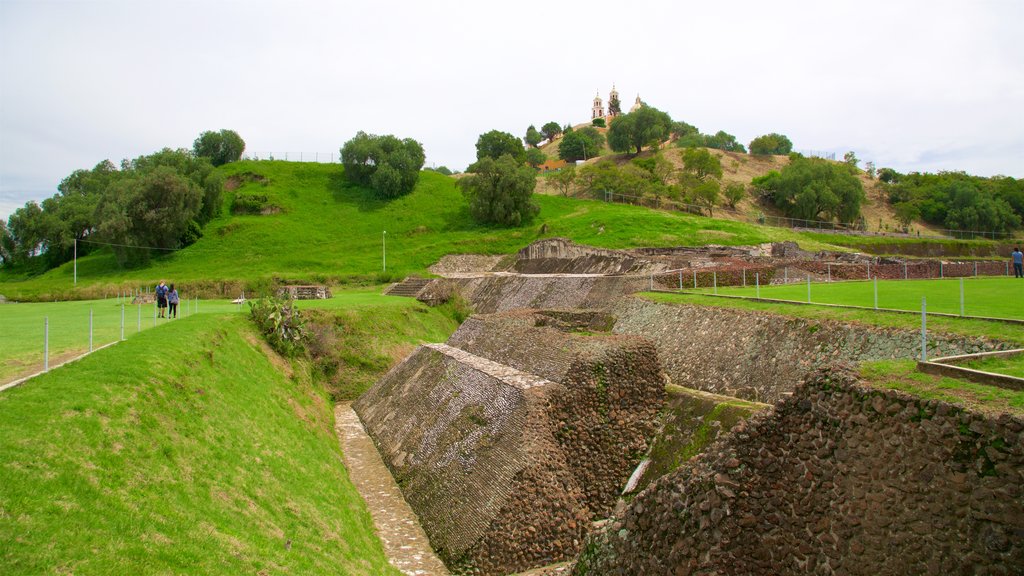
405,543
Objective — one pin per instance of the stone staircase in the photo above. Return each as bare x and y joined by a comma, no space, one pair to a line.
410,287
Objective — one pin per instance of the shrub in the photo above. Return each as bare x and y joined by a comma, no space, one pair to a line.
281,324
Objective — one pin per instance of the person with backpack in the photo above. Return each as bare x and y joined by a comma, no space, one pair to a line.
161,299
172,302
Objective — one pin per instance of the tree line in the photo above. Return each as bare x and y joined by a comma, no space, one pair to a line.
162,200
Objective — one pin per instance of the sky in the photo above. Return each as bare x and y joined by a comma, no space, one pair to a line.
913,85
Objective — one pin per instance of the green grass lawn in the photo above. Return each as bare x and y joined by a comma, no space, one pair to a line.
991,297
1011,365
903,375
328,230
962,326
180,451
21,340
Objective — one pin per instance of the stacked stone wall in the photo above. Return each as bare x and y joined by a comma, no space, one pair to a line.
840,478
505,467
761,356
489,294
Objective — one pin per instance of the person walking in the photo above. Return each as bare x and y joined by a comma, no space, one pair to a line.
172,302
161,299
1018,263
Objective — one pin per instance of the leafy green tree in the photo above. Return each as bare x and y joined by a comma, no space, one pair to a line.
599,122
701,163
535,157
443,170
681,129
495,144
851,159
499,191
812,188
888,175
220,147
646,127
705,195
388,165
869,168
533,137
614,106
564,179
771,144
6,243
906,213
25,232
734,193
581,144
724,141
551,130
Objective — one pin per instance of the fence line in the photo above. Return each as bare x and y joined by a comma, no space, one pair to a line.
299,156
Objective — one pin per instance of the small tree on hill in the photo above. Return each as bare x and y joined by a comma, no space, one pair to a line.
551,130
389,166
702,163
499,191
771,144
535,157
646,127
734,193
495,144
533,137
599,122
564,179
581,144
220,147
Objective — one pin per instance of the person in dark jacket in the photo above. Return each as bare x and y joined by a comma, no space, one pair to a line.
1018,263
161,299
172,303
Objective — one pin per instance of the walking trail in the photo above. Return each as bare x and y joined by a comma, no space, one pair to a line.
405,543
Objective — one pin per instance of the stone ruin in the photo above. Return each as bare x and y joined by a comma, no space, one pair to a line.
304,292
509,440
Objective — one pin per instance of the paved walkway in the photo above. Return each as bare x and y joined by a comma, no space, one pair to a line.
405,543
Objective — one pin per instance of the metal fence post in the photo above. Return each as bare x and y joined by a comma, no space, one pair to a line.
744,277
652,282
785,275
876,292
869,270
975,268
680,279
808,288
961,296
714,278
904,269
924,329
694,279
829,267
941,271
757,284
46,344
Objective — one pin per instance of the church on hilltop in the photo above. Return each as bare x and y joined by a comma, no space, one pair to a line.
614,108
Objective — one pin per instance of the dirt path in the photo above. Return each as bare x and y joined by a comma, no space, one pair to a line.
399,529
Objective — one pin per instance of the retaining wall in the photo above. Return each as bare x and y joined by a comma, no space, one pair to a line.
762,356
840,478
502,293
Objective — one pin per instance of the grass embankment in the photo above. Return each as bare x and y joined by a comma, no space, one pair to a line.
181,450
984,296
1009,365
962,326
328,230
902,375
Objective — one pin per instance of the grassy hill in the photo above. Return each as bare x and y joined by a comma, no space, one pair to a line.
180,450
325,230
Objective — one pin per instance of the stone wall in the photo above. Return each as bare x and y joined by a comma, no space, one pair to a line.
508,458
840,478
502,293
761,356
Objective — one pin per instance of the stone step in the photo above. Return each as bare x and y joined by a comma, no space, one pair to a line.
409,287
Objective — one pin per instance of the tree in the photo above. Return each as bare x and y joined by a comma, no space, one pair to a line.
443,170
6,244
614,106
645,127
888,175
812,188
598,122
906,212
220,147
734,193
581,144
681,129
869,168
771,144
495,144
705,195
564,179
533,137
386,164
702,163
724,141
499,191
535,157
551,130
851,159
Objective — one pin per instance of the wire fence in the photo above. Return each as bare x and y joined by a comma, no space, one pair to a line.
300,156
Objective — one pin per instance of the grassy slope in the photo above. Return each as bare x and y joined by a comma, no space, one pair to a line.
181,450
1011,366
330,230
992,297
902,375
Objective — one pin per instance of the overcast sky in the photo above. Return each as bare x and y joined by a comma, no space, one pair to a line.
914,85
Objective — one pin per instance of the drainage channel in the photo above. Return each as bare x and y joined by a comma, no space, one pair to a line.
405,543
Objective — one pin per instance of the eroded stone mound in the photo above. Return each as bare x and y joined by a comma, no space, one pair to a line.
512,438
841,478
